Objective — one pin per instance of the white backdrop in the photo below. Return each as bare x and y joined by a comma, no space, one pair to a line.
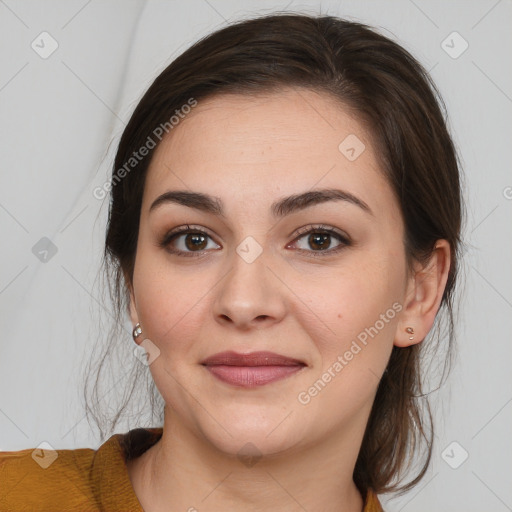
71,73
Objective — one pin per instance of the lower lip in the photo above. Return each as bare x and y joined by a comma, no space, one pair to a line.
252,376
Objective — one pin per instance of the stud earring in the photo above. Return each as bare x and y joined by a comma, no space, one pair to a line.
137,331
410,330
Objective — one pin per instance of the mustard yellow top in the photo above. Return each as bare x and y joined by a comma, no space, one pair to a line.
83,479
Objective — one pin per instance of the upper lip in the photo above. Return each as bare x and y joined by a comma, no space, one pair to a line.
263,358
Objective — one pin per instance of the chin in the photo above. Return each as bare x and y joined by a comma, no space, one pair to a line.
253,439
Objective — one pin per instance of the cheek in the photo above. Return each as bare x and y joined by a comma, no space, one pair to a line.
356,310
169,300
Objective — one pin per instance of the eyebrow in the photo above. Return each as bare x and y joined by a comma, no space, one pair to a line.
281,208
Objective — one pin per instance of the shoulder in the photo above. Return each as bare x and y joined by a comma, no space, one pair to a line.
34,478
83,479
371,503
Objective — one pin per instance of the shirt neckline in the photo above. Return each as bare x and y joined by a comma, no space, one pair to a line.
109,470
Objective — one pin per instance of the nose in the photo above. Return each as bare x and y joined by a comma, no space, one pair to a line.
250,294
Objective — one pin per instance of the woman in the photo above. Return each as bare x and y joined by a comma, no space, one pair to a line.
284,225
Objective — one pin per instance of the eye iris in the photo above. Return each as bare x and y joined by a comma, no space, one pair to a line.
191,241
319,238
198,241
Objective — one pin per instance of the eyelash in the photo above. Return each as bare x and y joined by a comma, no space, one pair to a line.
320,228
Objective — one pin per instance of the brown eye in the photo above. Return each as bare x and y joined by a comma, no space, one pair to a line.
318,241
195,241
186,241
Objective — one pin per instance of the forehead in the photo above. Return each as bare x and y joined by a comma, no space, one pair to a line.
267,145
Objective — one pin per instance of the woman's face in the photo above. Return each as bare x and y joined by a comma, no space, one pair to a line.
255,282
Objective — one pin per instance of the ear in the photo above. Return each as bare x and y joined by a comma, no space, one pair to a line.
423,297
132,307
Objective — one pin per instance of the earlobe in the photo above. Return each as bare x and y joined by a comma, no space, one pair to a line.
407,336
423,298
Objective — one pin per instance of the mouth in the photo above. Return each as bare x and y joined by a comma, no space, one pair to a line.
251,370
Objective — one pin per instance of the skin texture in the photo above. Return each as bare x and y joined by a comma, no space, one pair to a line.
251,151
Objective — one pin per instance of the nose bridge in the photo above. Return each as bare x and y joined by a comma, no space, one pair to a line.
249,290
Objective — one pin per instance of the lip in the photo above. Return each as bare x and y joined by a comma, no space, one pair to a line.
251,370
262,358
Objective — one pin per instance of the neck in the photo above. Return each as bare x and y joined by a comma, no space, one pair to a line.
184,472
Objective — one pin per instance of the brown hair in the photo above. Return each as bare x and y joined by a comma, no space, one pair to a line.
389,91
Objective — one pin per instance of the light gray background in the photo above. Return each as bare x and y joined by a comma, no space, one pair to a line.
60,120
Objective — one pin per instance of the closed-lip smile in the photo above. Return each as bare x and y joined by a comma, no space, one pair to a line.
252,369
